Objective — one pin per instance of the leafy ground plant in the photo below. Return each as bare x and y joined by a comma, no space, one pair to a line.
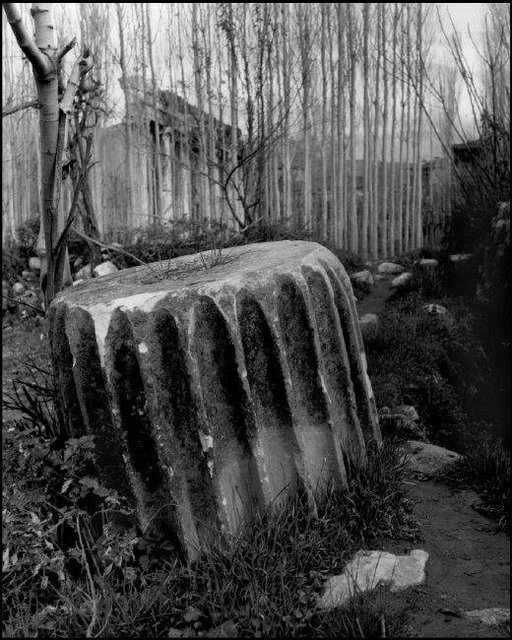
69,569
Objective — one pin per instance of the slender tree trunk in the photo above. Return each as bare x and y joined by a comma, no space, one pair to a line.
352,226
374,227
384,222
407,230
323,48
419,190
128,140
393,213
157,154
363,230
400,213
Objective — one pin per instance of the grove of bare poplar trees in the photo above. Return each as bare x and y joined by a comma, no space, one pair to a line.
324,116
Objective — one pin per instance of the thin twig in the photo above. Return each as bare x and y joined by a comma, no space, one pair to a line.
91,583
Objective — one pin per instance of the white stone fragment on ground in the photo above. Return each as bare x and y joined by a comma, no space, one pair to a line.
429,459
460,257
34,263
428,263
401,281
104,269
18,288
362,277
85,273
368,569
77,282
390,268
492,617
368,324
436,309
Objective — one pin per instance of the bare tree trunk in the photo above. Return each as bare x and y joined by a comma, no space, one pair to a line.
157,154
419,190
393,213
353,244
407,229
374,227
128,141
363,229
323,46
384,222
400,215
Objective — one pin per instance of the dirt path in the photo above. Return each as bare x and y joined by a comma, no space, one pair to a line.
469,561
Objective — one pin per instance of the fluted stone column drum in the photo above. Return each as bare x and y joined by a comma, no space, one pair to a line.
217,385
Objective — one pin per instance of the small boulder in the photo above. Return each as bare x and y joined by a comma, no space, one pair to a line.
436,309
369,324
77,282
492,617
390,268
429,459
362,277
104,269
85,273
428,263
17,288
460,257
402,281
368,569
403,421
78,263
34,264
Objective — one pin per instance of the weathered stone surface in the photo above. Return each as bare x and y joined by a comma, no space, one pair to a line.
491,617
17,288
217,392
403,421
104,269
390,268
436,309
34,263
369,324
401,281
85,273
368,569
362,277
429,459
428,263
460,257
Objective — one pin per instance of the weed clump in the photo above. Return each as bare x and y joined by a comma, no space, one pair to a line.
71,569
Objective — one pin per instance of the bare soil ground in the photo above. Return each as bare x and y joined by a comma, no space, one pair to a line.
469,563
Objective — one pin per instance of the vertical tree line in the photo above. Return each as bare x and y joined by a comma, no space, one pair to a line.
313,114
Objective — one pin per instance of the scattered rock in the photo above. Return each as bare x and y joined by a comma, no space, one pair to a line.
85,273
428,263
460,257
77,282
436,309
369,324
17,288
104,269
429,459
402,281
78,263
390,268
492,617
403,421
362,277
371,568
34,264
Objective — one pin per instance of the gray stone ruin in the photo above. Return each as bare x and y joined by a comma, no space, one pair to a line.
217,384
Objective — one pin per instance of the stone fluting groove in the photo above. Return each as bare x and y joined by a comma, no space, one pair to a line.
217,388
